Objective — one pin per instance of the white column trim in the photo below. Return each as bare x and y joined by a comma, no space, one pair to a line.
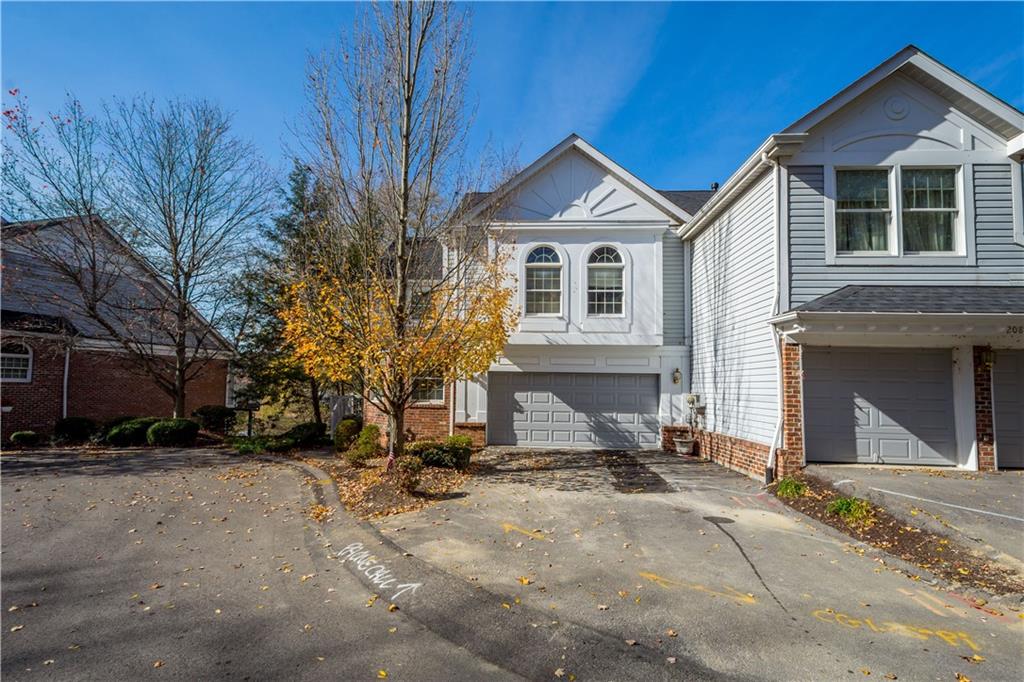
963,408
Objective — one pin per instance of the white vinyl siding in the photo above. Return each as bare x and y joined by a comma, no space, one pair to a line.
673,269
734,368
999,259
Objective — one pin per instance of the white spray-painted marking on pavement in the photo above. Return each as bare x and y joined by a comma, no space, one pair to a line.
948,504
378,574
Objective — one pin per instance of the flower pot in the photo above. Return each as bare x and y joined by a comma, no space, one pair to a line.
684,446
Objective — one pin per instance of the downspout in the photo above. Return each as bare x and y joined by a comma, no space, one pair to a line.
769,470
64,392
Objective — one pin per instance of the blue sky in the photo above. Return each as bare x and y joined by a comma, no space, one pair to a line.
678,93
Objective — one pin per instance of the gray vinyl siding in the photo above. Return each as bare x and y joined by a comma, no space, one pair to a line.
673,300
999,259
734,365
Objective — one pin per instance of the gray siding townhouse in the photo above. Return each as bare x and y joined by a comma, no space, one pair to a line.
858,283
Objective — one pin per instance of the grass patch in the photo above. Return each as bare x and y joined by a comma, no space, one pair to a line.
790,488
850,509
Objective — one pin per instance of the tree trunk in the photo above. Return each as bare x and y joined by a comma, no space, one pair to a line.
179,389
396,432
314,397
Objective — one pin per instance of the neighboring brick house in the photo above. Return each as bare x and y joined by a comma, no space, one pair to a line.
55,362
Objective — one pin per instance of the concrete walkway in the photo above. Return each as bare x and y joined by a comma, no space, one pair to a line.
981,510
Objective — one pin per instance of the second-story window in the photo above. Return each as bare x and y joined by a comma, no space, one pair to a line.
863,212
604,282
929,209
543,282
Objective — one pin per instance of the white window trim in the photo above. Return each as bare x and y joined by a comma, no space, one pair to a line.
1017,195
561,279
544,322
435,401
614,324
31,363
621,265
964,229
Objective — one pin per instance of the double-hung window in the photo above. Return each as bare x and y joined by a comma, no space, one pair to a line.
543,282
897,211
605,287
15,363
428,390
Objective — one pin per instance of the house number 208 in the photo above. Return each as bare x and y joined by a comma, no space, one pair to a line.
1015,330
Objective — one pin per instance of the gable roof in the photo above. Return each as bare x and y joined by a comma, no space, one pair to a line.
690,200
911,62
33,293
667,206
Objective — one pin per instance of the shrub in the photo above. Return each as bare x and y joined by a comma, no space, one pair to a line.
279,444
25,438
173,433
367,446
74,429
407,473
850,509
453,453
130,432
790,488
345,433
246,445
216,418
305,434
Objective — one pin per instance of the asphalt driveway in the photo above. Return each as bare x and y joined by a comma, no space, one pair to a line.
693,561
186,566
982,510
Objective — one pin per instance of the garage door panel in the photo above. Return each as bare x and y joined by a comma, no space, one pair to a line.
870,405
1008,404
584,410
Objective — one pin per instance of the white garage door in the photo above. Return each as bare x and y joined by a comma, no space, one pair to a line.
1008,394
573,410
879,405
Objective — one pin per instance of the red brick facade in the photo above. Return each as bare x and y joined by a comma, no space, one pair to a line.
475,430
734,453
985,432
423,421
101,386
790,457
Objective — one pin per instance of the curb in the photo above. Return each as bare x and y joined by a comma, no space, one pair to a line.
515,637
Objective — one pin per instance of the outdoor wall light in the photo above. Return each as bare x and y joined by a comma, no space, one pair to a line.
677,376
987,356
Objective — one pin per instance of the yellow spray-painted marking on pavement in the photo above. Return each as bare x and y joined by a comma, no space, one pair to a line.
323,481
951,638
933,603
536,535
730,593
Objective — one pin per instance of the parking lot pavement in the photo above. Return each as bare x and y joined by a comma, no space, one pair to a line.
187,566
983,510
691,560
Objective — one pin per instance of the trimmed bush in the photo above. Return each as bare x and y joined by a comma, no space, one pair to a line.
407,473
74,429
131,432
345,434
173,433
453,453
216,418
24,439
367,446
306,434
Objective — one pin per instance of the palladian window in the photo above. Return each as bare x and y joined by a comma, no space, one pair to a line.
604,282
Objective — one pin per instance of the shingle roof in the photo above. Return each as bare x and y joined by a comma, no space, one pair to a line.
690,200
919,299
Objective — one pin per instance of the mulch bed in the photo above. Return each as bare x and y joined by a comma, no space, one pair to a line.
368,492
928,550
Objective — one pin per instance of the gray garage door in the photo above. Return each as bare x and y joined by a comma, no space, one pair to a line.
573,410
1008,394
879,405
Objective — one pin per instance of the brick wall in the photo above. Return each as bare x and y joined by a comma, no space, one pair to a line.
101,386
744,456
423,421
670,432
37,405
985,432
475,430
790,457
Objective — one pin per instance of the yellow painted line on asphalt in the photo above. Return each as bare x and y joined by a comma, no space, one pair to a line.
511,527
730,593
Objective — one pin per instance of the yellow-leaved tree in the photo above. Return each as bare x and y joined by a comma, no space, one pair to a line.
395,287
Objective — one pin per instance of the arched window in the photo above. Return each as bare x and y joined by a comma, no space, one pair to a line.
543,282
604,282
15,363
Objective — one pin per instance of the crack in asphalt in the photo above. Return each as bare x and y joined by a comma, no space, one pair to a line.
718,521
